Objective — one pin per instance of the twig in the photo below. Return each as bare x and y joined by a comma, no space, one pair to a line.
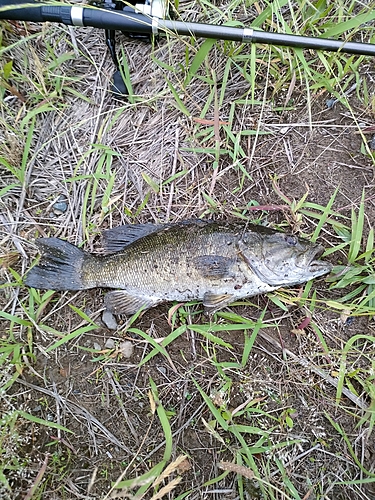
114,383
318,371
78,410
298,457
92,480
38,479
174,166
123,474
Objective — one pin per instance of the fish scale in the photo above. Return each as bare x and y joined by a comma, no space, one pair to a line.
160,261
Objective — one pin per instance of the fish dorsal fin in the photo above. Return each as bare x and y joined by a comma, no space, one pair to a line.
122,302
117,238
212,302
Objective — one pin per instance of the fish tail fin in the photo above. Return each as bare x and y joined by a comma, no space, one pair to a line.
60,266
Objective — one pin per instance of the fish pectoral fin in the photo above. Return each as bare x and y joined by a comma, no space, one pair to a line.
122,302
212,302
212,266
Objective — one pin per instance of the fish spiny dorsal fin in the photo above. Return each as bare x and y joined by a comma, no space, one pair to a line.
118,238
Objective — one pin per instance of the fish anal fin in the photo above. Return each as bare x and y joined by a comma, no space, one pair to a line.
212,302
123,302
212,266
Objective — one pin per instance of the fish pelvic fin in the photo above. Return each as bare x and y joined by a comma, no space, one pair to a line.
213,302
59,268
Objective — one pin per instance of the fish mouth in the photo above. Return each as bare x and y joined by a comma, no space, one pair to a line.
317,266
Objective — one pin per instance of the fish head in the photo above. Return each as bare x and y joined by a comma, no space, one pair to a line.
282,259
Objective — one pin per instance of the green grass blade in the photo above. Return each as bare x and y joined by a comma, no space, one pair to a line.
164,421
357,231
157,347
198,59
72,335
40,421
180,105
166,341
349,25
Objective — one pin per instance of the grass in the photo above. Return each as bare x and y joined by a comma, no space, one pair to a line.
271,398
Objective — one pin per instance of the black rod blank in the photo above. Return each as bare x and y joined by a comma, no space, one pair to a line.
248,35
139,23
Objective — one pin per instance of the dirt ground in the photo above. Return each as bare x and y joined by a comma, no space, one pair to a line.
102,394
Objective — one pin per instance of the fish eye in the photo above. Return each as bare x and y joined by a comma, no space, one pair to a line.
291,240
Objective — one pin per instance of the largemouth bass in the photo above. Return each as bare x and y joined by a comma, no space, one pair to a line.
214,262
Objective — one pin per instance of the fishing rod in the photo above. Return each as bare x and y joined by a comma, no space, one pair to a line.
154,17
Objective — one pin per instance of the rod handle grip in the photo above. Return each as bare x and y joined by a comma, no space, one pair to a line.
36,13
